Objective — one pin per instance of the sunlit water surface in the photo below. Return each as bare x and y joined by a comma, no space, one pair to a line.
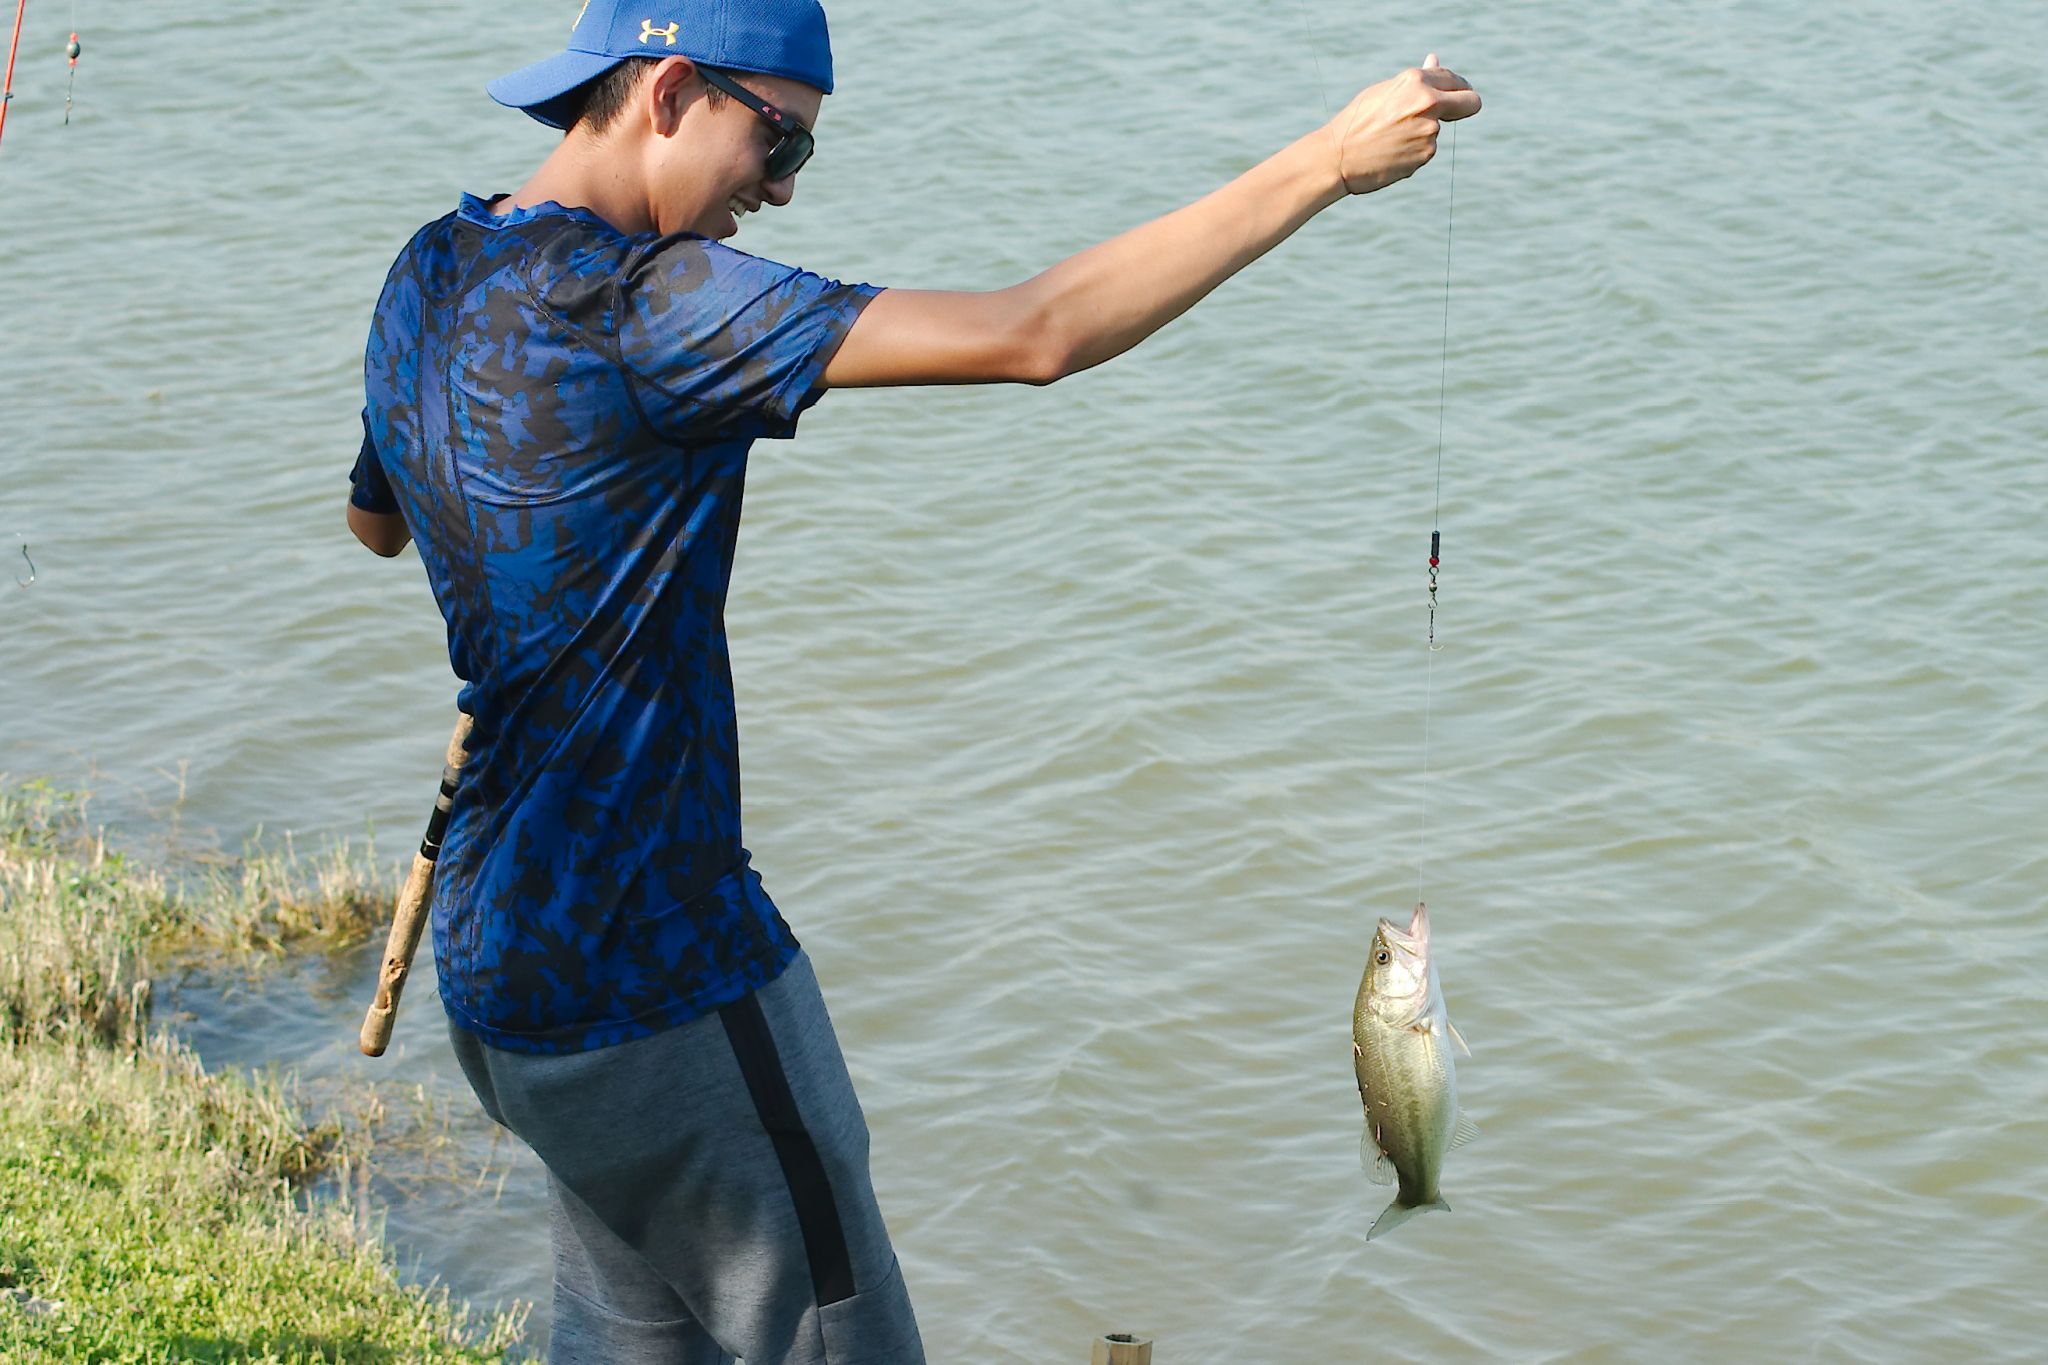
1084,726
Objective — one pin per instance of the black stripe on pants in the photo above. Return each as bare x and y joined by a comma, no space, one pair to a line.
816,1213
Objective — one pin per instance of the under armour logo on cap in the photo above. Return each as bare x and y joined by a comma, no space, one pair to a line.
785,38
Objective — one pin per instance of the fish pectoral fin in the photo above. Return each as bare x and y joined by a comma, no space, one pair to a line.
1378,1169
1463,1046
1465,1130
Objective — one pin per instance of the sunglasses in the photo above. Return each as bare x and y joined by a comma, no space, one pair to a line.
795,145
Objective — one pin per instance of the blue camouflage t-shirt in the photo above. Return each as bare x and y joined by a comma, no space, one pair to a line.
562,415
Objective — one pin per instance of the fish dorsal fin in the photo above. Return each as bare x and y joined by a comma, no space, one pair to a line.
1378,1169
1463,1046
1465,1131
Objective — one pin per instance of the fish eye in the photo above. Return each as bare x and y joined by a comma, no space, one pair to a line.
1382,957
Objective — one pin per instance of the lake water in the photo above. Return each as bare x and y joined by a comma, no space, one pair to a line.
1083,726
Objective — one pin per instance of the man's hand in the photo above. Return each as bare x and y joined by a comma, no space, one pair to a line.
385,534
1389,132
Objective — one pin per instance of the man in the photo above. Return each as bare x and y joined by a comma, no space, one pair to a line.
563,387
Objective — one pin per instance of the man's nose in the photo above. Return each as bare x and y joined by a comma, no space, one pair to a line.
779,192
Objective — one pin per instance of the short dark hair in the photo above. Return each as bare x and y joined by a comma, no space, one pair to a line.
597,104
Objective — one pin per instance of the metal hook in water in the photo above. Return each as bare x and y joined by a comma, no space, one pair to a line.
25,582
1436,549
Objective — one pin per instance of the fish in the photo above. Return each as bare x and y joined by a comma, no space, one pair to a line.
1401,1038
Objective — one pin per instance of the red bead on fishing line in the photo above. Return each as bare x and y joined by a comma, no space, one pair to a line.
71,50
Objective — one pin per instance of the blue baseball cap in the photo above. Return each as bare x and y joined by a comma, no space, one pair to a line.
774,37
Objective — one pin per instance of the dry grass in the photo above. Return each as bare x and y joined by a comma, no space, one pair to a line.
80,925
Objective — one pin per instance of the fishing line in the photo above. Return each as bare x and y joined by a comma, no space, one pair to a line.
1322,88
1436,537
1434,646
70,52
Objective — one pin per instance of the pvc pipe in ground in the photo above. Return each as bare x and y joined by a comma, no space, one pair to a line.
1121,1348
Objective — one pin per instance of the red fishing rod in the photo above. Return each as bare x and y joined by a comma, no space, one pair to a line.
7,89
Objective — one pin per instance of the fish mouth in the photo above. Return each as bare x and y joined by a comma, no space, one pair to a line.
1415,938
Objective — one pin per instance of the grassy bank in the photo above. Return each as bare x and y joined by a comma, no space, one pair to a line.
149,1210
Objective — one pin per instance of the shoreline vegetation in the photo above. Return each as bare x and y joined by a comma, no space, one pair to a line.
151,1210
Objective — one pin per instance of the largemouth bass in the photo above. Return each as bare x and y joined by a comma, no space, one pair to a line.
1401,1042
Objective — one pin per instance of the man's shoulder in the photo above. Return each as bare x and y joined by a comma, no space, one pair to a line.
556,248
686,270
456,263
422,240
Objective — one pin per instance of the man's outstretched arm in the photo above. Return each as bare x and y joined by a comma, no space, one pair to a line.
1101,302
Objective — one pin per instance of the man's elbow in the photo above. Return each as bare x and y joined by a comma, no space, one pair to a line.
1053,335
1042,352
384,536
1042,367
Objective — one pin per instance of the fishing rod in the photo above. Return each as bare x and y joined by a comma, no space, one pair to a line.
7,87
71,51
410,917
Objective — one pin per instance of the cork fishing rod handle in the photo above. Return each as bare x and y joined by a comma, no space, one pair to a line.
410,918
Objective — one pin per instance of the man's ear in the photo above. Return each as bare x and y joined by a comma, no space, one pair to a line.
667,93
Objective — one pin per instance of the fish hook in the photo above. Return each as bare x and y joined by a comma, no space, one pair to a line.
25,582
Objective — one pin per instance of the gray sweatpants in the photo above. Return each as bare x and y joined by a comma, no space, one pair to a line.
708,1190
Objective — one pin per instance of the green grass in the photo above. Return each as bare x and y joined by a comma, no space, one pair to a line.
150,1210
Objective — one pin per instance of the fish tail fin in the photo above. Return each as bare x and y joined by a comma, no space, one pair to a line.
1398,1213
